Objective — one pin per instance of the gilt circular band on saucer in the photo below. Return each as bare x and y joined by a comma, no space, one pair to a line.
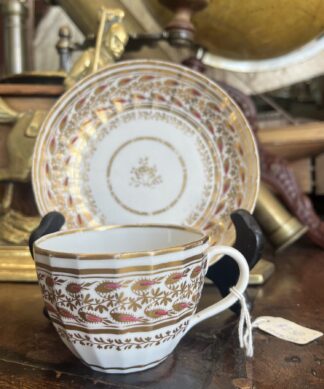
142,178
157,164
146,142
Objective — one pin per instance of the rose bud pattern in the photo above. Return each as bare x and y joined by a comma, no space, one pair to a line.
49,282
180,306
90,317
126,318
144,284
73,288
107,287
174,277
65,313
129,300
195,272
156,313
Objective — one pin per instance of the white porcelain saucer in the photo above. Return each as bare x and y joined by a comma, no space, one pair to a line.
146,142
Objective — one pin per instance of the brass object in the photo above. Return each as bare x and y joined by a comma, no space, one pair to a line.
15,261
261,272
281,227
84,14
20,146
16,264
15,42
7,198
110,44
251,29
111,38
15,227
7,115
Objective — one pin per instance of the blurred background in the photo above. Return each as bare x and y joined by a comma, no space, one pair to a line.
268,55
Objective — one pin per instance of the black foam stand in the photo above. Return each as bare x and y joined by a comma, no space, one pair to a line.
51,222
249,241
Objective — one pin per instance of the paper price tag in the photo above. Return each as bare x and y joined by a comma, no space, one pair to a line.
286,329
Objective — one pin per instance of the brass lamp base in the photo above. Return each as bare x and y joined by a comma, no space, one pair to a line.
281,228
287,234
261,272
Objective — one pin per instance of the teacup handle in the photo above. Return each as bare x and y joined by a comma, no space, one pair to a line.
230,299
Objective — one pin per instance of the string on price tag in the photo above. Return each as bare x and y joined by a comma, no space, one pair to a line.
276,326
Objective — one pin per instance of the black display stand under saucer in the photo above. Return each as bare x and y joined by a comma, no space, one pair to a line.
249,241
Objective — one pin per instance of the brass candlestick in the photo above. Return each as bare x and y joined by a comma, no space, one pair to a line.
280,226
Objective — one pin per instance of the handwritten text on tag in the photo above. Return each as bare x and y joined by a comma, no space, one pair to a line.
286,329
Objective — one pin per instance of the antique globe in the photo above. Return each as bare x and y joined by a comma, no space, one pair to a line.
252,29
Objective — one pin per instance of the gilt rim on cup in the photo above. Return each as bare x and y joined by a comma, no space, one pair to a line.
123,255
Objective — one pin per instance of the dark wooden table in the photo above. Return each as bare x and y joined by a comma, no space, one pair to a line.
32,355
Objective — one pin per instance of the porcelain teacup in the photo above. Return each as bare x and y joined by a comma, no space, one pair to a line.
122,297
